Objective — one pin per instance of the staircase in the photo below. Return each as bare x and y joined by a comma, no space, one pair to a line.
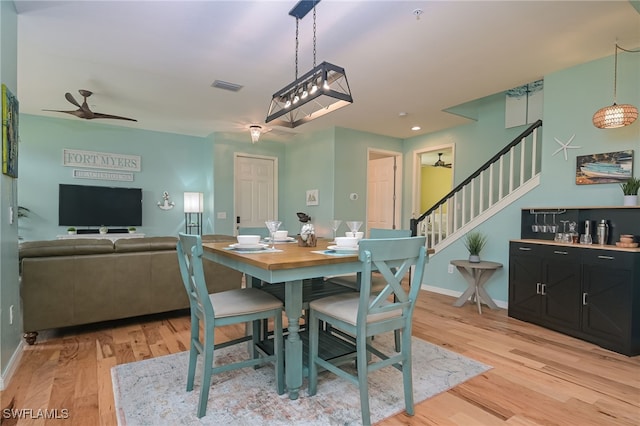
507,176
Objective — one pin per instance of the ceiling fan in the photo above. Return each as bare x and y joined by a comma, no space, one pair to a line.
83,110
441,163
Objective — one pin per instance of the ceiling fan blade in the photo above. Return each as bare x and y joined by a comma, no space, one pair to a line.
71,99
115,117
77,112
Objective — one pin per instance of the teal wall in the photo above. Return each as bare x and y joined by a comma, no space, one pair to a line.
170,162
9,288
571,96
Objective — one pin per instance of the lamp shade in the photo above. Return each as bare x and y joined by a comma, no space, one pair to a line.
193,202
614,116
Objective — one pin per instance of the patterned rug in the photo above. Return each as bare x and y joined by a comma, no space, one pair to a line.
152,392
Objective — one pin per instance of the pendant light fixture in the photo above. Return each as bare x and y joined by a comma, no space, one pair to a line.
255,132
320,91
613,116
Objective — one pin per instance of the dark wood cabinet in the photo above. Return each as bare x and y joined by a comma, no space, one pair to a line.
544,284
610,300
586,292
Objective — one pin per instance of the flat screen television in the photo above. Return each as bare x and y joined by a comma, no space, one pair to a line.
83,205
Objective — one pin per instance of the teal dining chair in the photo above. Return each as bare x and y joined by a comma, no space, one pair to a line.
237,306
366,314
377,281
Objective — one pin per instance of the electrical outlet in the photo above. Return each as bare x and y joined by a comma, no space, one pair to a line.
450,268
222,215
10,215
10,314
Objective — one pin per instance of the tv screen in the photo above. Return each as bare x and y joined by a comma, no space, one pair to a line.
81,205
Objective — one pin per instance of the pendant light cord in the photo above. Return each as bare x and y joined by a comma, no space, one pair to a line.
615,70
297,31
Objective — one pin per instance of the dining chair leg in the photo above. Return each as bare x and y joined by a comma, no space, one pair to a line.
278,348
407,367
363,383
206,376
193,353
313,353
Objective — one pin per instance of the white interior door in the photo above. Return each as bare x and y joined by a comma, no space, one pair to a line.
255,190
383,191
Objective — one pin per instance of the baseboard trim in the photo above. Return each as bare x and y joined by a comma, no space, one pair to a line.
12,366
454,293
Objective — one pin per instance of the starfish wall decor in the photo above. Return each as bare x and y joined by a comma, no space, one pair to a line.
565,146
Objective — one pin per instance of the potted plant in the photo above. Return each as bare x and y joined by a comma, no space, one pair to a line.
132,229
71,230
630,191
475,242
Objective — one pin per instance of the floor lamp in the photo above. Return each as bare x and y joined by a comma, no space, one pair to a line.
193,207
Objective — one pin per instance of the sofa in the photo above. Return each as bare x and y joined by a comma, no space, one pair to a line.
72,282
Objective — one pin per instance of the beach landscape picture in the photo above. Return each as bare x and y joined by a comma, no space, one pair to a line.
608,167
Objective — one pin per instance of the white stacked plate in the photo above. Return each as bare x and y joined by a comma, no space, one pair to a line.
344,249
248,247
284,240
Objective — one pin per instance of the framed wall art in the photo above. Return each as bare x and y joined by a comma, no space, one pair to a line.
9,133
312,197
608,167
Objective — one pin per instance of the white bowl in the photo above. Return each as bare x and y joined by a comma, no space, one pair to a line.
281,235
359,234
248,239
346,241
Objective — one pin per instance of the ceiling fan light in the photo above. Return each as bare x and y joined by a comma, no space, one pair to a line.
614,116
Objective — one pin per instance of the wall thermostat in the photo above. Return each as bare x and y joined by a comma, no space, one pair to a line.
353,196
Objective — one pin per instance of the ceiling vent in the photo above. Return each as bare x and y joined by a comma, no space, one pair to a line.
225,85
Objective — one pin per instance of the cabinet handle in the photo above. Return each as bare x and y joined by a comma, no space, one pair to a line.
606,257
538,288
524,248
560,252
544,290
584,299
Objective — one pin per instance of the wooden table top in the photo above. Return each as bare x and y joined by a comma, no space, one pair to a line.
292,256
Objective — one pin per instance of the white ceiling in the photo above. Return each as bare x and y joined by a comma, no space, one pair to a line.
156,60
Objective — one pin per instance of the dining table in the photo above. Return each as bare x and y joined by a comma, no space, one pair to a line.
290,264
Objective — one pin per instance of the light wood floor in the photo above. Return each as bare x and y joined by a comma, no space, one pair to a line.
539,377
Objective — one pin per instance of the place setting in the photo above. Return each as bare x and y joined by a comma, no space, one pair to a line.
347,245
281,236
249,244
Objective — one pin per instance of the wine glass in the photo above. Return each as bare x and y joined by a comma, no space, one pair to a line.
335,224
272,226
354,226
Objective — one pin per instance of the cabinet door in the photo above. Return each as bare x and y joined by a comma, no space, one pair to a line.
561,289
524,283
606,310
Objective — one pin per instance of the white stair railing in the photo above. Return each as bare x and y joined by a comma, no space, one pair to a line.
483,192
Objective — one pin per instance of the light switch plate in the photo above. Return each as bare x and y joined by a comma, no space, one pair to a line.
450,268
222,215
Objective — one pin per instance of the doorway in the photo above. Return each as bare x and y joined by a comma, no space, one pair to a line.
255,190
384,189
433,179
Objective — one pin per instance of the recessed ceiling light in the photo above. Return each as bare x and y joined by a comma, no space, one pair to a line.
416,128
402,114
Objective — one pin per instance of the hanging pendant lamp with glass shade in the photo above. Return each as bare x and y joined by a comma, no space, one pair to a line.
318,92
613,116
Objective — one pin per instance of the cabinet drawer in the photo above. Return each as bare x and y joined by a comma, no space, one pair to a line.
525,249
562,253
609,258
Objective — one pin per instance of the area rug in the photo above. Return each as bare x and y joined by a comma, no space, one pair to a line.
152,392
